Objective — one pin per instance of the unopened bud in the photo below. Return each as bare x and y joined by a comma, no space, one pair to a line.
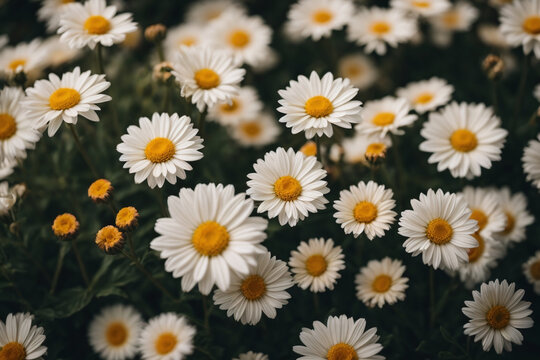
493,65
155,33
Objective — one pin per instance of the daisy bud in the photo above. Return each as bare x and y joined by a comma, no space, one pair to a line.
110,240
127,218
162,71
155,33
493,65
309,148
100,190
65,226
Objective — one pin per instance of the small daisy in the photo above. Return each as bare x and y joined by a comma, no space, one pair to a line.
50,12
114,332
340,338
207,76
425,8
459,17
29,58
495,315
59,53
50,102
365,149
100,190
250,355
359,69
93,23
182,35
365,208
384,116
289,185
207,11
531,269
160,149
318,18
261,130
65,226
261,290
313,105
110,240
166,337
381,282
463,138
377,27
127,218
245,105
209,236
520,25
427,95
531,161
19,339
316,264
518,218
486,210
439,227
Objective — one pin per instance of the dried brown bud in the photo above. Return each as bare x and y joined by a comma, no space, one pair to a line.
155,33
162,71
493,65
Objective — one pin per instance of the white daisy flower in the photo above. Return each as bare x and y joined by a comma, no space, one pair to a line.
439,227
244,105
495,315
8,197
260,130
340,338
318,18
50,12
377,27
531,269
313,105
7,167
114,333
166,337
206,11
365,208
425,8
316,264
518,218
271,59
209,236
94,23
182,35
207,76
29,58
17,131
359,69
160,149
531,161
427,95
459,17
486,210
21,340
463,138
384,116
250,355
289,185
520,25
59,53
381,282
365,148
261,290
491,36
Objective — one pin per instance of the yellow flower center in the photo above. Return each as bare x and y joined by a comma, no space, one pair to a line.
383,119
439,231
450,19
421,4
381,283
239,38
322,16
476,253
13,351
463,140
210,238
380,27
423,98
287,188
309,148
165,343
207,79
252,129
188,41
16,63
109,237
342,351
535,270
126,217
159,150
116,334
510,223
498,317
365,212
65,224
354,70
230,108
480,217
8,126
316,265
375,150
253,287
100,189
318,106
64,98
97,25
531,25
66,1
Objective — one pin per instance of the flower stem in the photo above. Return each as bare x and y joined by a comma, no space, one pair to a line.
201,121
81,264
82,151
431,298
99,55
521,89
206,312
59,264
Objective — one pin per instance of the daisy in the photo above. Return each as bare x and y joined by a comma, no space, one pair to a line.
100,190
59,53
261,290
313,105
289,185
495,315
21,340
110,240
182,35
316,264
160,149
365,149
377,27
318,18
17,132
114,332
463,138
207,11
7,167
427,95
209,236
166,337
531,161
94,23
486,210
518,218
340,338
359,69
245,105
439,227
207,76
50,12
260,130
127,218
381,282
385,115
520,25
459,17
50,102
29,58
65,226
425,8
531,269
250,355
365,208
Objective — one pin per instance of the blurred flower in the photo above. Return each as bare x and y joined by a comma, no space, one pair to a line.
100,190
7,167
271,59
250,355
19,339
133,39
155,33
29,58
518,218
182,35
206,11
485,208
537,92
386,115
261,130
531,161
427,95
459,17
50,12
493,65
127,218
8,197
491,35
520,25
65,226
245,105
359,69
365,149
166,337
309,148
425,8
531,269
110,240
59,53
162,71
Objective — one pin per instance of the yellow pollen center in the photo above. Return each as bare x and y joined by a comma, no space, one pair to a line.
253,287
126,216
383,119
309,148
16,63
230,108
531,25
476,253
354,70
381,283
13,351
287,188
423,98
322,16
463,140
380,27
450,18
365,212
498,317
480,217
252,129
165,343
535,270
97,25
318,106
421,4
64,224
108,237
116,334
66,1
99,189
159,150
239,38
207,78
316,265
342,351
188,41
64,98
439,231
510,223
210,238
375,149
8,126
